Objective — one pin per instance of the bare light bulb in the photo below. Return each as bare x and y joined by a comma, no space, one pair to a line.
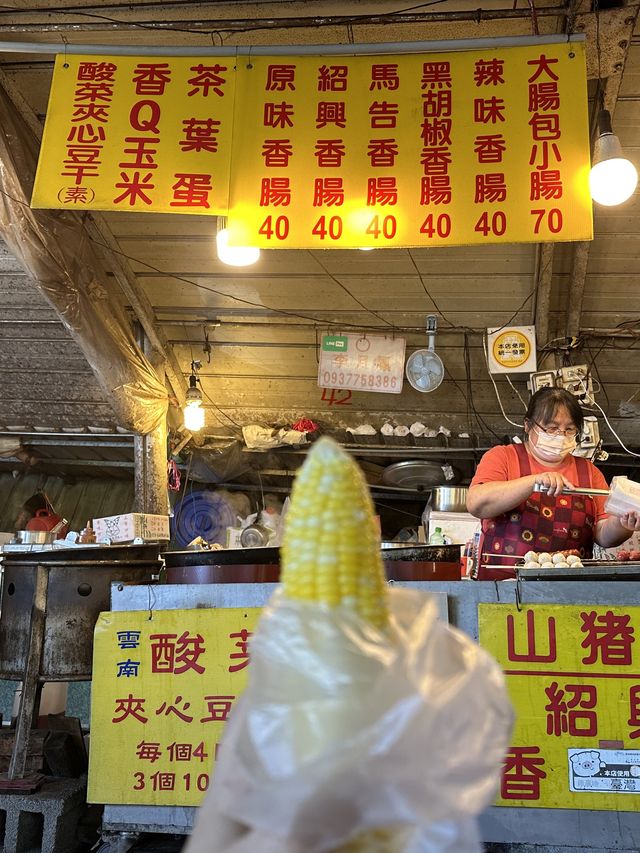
613,178
235,256
194,416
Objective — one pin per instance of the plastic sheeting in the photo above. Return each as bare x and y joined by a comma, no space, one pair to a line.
54,248
346,735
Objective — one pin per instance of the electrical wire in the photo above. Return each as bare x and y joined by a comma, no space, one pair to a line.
320,322
516,392
348,292
467,364
424,287
495,387
608,423
593,366
218,409
313,20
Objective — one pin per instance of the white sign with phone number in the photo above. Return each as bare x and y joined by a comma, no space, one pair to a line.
362,363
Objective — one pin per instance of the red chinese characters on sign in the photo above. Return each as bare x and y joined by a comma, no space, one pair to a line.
137,180
329,153
382,191
328,192
129,706
170,653
275,191
191,190
241,656
573,699
85,141
333,78
215,709
280,78
634,711
540,649
178,708
384,76
489,146
277,115
608,637
207,80
383,115
139,154
522,773
200,135
148,751
151,78
570,710
435,133
543,107
276,153
382,151
174,752
218,709
331,112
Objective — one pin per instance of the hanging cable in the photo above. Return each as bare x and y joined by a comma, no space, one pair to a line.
495,387
516,392
617,437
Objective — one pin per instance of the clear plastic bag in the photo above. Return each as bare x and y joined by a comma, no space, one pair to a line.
624,496
344,730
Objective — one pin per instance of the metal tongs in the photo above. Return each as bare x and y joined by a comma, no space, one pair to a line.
577,491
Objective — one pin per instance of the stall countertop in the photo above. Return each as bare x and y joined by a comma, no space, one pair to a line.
271,555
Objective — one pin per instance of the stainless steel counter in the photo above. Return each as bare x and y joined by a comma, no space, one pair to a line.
549,829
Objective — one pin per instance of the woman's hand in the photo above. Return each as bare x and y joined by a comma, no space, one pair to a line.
630,520
551,482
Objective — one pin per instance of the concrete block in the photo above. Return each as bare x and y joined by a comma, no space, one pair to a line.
43,822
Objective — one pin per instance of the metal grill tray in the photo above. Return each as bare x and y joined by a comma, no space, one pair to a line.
595,571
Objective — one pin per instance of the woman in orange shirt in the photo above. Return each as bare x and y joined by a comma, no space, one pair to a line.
515,517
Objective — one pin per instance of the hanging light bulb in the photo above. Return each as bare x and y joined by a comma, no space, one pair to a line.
235,256
193,411
613,178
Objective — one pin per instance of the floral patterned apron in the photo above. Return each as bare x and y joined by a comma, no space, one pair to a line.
540,523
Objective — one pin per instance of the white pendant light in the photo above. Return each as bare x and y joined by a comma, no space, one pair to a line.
234,256
613,178
193,411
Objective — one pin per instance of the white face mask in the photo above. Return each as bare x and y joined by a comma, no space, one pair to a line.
553,447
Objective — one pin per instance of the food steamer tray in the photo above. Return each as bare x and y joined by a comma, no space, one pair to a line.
594,570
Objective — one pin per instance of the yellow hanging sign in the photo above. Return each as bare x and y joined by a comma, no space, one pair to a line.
573,674
138,134
163,688
412,150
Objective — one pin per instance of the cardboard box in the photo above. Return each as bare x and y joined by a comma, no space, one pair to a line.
130,526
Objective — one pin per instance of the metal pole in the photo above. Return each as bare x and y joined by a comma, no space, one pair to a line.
150,477
285,50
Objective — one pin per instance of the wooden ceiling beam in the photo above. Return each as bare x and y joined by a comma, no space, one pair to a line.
581,249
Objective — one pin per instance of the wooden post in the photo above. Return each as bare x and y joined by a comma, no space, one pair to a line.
30,681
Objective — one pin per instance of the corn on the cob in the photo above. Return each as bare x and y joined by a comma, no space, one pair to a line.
331,550
330,555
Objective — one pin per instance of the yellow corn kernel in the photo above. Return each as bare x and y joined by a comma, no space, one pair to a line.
330,552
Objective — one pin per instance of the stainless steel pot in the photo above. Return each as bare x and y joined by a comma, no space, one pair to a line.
36,537
255,536
449,499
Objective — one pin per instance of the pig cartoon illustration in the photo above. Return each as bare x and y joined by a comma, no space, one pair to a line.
586,763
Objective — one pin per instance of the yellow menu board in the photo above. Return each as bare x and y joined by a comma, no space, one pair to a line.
573,674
